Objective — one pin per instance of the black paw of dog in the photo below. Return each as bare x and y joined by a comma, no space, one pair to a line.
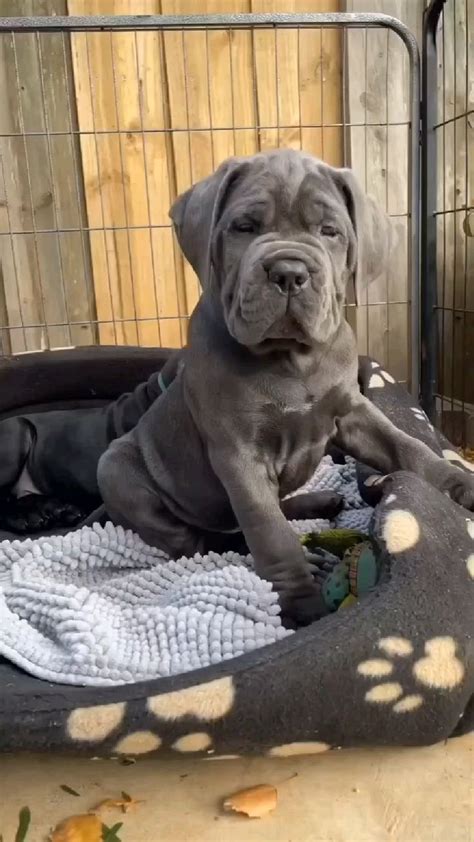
308,505
35,513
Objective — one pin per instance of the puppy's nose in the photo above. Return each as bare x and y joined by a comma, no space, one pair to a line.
289,275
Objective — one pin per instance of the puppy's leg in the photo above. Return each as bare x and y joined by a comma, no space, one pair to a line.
16,441
131,504
276,549
367,434
312,504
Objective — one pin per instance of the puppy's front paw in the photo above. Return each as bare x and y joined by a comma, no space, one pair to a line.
301,608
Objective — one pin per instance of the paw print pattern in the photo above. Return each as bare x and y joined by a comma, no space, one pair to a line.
439,669
458,460
208,702
421,416
380,377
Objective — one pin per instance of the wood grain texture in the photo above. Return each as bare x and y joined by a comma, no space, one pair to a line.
377,97
161,111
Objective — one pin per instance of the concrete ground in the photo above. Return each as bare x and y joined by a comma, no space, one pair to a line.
407,795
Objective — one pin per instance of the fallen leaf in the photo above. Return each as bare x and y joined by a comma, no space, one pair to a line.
24,820
255,802
83,828
69,790
125,804
127,761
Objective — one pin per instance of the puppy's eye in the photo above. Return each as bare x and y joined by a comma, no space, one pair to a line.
245,226
329,231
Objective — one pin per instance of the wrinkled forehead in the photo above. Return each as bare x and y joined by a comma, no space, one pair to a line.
283,183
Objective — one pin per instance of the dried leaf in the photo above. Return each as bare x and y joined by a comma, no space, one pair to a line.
69,790
127,761
85,828
254,802
24,820
125,804
107,804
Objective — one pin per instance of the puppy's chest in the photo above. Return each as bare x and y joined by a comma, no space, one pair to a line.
293,435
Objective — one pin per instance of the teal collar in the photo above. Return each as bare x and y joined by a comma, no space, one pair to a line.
161,382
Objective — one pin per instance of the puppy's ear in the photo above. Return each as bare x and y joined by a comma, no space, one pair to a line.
195,213
373,240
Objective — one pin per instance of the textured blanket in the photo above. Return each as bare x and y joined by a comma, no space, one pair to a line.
99,607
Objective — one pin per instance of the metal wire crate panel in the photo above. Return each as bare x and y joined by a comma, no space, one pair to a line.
450,338
102,129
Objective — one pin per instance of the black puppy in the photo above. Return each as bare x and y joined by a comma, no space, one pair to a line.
48,461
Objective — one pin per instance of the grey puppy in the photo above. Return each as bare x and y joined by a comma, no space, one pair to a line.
270,371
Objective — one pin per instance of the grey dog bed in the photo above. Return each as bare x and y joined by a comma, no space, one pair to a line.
395,669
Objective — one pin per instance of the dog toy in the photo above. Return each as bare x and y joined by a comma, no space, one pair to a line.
356,573
336,541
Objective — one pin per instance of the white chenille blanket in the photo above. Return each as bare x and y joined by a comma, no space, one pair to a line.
100,607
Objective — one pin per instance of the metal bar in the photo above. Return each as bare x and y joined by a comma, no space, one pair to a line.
133,319
454,119
446,211
414,211
429,116
460,310
455,179
85,132
103,23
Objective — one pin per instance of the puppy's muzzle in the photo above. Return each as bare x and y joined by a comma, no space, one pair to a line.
289,275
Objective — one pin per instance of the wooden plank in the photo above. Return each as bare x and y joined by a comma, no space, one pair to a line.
190,149
299,75
103,168
204,99
46,274
119,92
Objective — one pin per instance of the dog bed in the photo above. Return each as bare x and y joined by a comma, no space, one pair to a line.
396,668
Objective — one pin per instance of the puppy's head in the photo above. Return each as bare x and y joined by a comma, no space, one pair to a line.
276,237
